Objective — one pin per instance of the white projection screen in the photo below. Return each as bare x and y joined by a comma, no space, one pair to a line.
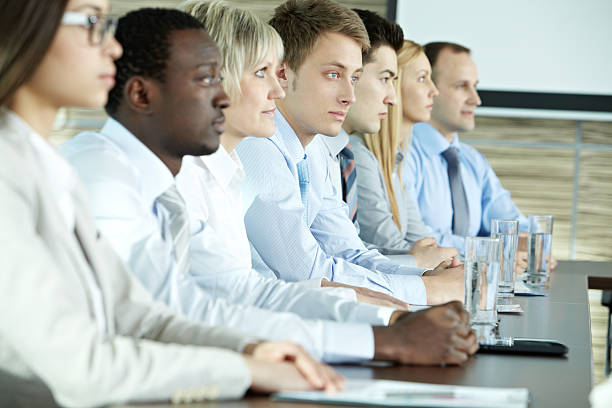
531,54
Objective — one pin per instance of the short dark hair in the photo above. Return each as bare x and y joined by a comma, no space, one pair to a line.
300,23
27,28
145,37
433,49
381,32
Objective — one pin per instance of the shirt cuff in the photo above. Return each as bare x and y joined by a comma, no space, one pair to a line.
403,259
314,283
408,288
371,314
343,293
347,342
411,270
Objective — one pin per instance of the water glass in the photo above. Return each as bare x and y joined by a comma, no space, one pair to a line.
507,232
539,246
481,279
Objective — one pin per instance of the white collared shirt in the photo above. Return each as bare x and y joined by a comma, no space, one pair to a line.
210,186
124,179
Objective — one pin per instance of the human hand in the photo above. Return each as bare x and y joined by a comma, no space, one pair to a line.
438,335
282,365
428,255
445,283
373,297
522,242
520,263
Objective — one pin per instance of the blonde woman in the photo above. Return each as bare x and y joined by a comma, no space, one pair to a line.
388,217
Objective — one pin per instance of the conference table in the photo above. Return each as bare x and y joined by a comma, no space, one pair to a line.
552,381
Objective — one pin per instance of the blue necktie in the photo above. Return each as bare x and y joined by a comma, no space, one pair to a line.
349,174
304,180
461,215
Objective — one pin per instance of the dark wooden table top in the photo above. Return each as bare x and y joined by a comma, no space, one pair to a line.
552,381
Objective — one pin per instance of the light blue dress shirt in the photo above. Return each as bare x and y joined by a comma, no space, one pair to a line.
322,242
125,179
425,175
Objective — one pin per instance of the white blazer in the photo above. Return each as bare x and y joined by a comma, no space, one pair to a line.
49,328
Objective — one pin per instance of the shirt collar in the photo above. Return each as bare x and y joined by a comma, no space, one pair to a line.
335,144
431,139
289,137
155,177
223,166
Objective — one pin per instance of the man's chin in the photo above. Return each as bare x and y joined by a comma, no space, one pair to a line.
372,128
207,149
466,126
331,130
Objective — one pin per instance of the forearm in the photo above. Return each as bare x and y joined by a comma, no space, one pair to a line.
252,289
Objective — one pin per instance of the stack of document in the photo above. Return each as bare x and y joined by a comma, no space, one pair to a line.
411,394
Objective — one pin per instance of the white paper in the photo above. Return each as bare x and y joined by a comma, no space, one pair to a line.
515,308
411,394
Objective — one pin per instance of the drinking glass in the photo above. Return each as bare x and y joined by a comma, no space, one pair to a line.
539,246
507,232
481,279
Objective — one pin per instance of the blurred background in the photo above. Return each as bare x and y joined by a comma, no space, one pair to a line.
544,125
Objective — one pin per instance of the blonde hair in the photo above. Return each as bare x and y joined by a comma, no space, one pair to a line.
243,38
385,144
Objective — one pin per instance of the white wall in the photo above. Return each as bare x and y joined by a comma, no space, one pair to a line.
523,45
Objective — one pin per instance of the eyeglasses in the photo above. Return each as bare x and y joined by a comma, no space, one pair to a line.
98,27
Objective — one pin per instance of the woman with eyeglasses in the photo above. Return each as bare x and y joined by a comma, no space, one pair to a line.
71,315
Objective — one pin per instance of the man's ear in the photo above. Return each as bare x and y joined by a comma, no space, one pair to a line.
138,93
283,74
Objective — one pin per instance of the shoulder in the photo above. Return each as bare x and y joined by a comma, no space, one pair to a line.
420,131
266,169
473,155
364,158
95,157
18,163
91,145
470,150
413,157
260,153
